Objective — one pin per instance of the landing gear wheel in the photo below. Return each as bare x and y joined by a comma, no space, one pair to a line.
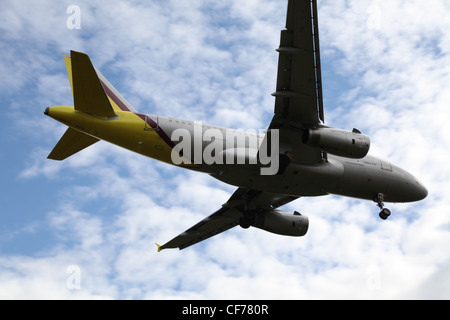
247,219
244,223
385,213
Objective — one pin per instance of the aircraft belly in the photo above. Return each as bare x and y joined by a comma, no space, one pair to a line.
297,180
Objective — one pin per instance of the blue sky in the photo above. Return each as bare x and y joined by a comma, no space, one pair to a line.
386,71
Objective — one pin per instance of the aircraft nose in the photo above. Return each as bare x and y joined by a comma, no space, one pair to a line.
408,188
420,191
416,189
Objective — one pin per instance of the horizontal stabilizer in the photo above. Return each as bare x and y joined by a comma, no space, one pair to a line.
71,142
88,93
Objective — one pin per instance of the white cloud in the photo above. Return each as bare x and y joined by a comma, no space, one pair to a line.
167,58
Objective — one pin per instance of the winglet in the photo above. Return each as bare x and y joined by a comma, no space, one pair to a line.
159,247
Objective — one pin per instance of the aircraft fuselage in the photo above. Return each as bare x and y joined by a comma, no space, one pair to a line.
152,136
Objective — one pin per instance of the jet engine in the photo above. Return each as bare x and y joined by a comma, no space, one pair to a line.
282,222
339,142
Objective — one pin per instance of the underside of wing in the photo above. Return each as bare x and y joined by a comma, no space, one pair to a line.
220,221
299,83
298,96
228,216
298,107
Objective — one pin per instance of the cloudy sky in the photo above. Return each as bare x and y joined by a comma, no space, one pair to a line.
86,227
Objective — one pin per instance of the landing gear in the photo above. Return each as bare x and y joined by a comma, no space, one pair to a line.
385,212
247,219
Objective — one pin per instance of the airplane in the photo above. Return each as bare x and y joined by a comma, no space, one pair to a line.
306,158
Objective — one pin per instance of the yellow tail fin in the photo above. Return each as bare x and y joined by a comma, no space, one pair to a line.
115,99
92,94
87,90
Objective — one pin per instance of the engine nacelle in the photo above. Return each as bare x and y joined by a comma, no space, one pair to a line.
339,142
282,222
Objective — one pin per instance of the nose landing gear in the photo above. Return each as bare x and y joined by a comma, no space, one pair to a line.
385,212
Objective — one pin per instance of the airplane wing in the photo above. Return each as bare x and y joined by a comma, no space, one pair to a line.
298,105
227,217
298,96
